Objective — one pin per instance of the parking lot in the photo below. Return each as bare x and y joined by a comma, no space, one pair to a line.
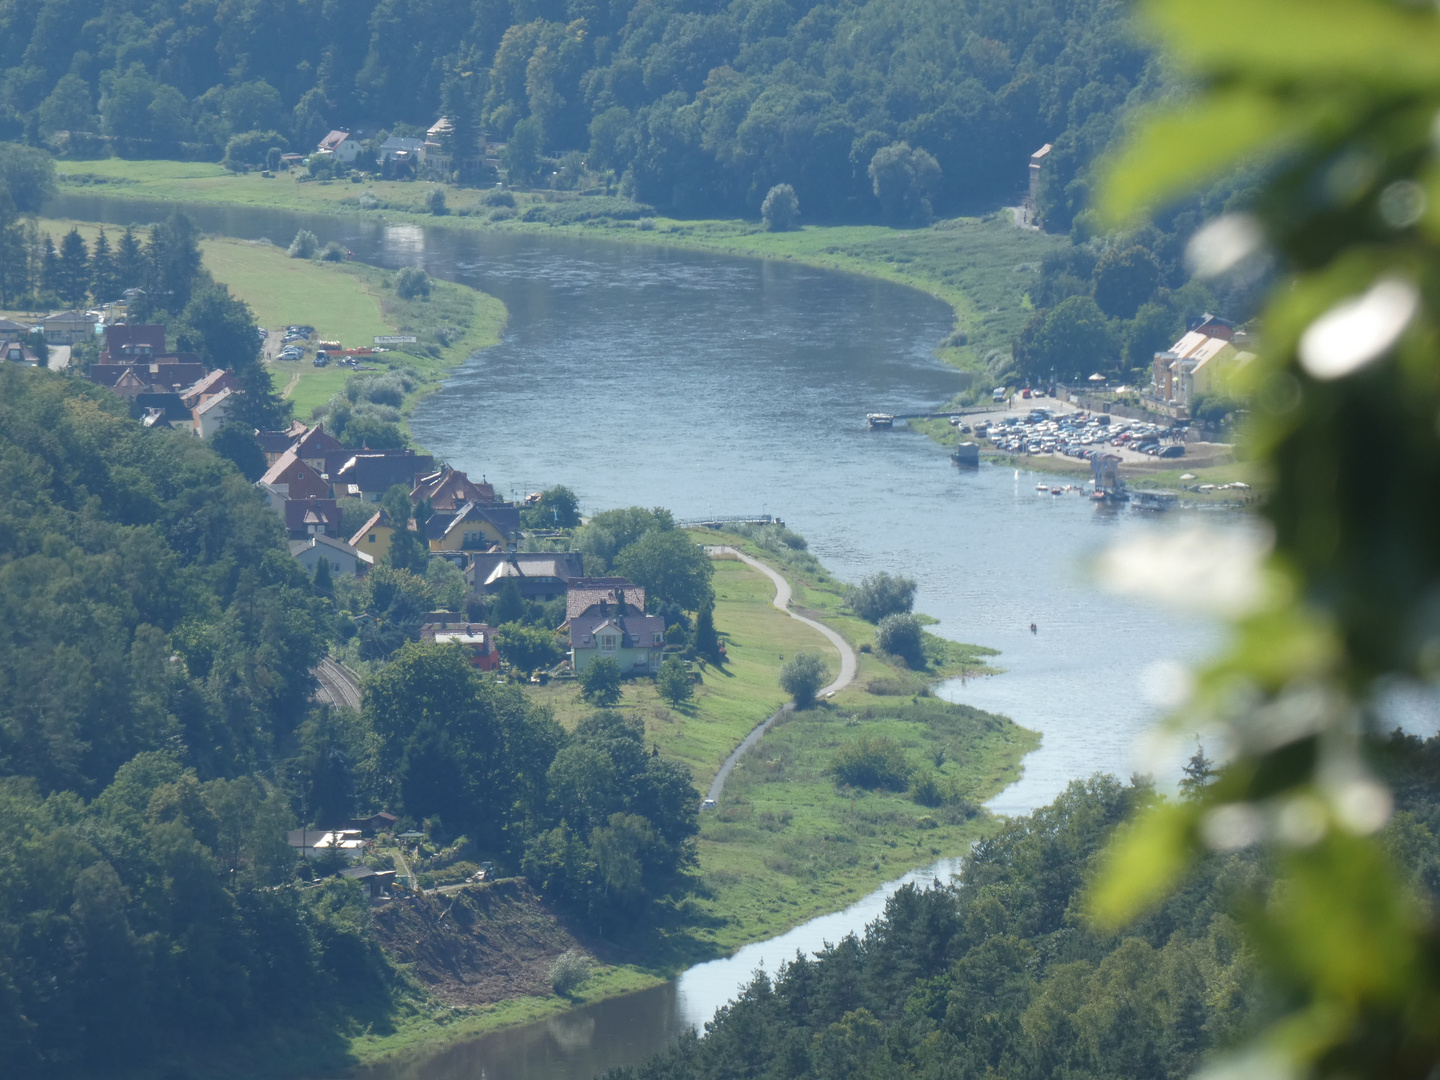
1048,427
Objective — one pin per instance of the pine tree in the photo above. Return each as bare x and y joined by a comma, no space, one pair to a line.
324,585
50,273
74,269
104,280
129,261
707,642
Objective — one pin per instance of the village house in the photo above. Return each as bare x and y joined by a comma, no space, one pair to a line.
201,391
275,443
398,148
10,329
316,448
312,843
212,412
291,478
540,575
17,351
369,474
1203,361
343,558
311,517
474,528
476,640
375,536
606,618
376,883
157,409
449,489
68,327
341,145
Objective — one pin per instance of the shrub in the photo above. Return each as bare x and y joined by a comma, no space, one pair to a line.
872,764
801,678
781,208
925,788
880,595
570,969
900,635
304,245
600,682
250,149
674,682
435,201
333,253
412,283
499,198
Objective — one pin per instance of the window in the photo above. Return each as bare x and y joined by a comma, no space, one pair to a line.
607,642
657,637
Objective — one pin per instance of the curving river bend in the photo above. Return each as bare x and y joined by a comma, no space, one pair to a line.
716,385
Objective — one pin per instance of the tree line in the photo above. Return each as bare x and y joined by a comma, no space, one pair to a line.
869,110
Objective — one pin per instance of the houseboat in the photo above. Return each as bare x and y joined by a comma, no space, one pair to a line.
880,420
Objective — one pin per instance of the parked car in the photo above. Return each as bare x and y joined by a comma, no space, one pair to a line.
1173,451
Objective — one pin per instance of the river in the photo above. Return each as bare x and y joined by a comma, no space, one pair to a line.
715,385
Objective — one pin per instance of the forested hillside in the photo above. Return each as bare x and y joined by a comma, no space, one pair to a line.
700,106
1003,974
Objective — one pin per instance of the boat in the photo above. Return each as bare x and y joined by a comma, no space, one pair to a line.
1042,487
1154,500
966,453
1056,491
880,420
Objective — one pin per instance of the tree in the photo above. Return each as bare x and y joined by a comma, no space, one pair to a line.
237,444
902,179
707,641
508,605
125,106
900,635
529,648
600,682
1073,334
1199,771
802,676
412,283
51,274
172,263
129,261
674,682
104,278
249,150
672,567
1154,329
73,278
1124,280
69,107
304,246
28,175
522,153
557,508
881,594
435,201
781,209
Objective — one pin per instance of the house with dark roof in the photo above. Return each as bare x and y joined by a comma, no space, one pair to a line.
311,517
9,328
200,391
132,340
614,626
540,575
17,351
163,373
68,327
474,528
155,409
368,474
275,443
314,448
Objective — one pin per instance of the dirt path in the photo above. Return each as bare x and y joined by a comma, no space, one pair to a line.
848,665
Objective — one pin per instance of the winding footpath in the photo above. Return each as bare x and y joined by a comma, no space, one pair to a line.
848,665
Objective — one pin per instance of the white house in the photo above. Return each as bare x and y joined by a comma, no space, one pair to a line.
340,144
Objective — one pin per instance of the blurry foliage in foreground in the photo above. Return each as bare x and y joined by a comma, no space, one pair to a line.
1341,99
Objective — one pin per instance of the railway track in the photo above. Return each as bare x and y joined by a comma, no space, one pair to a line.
337,683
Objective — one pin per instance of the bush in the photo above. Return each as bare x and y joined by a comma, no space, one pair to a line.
499,198
570,970
600,682
880,595
333,253
900,635
872,764
304,245
412,283
781,209
801,678
250,149
435,202
674,682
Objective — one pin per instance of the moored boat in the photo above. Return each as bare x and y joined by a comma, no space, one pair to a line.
880,420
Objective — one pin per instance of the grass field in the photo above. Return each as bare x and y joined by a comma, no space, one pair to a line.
787,844
981,267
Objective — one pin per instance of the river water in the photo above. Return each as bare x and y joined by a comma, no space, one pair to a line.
714,385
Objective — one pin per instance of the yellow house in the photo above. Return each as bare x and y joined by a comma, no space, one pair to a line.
374,537
474,528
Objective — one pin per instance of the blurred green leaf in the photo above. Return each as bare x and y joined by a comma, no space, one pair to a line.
1144,862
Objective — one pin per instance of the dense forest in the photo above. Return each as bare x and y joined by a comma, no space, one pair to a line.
865,108
1003,974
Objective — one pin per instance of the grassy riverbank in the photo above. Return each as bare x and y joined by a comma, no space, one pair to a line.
981,267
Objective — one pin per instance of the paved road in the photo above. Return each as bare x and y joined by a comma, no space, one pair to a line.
848,665
338,683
